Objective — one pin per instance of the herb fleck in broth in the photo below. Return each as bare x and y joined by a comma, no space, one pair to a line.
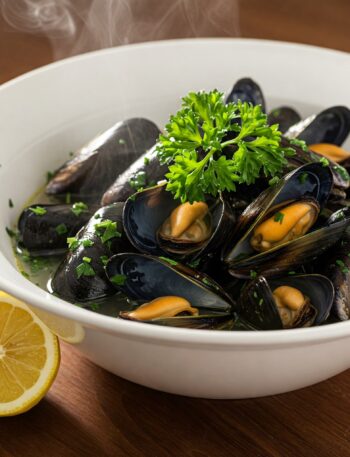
39,270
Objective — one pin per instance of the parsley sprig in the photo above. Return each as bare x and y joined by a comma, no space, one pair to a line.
195,146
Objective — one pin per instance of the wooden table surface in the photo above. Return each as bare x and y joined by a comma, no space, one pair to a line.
89,412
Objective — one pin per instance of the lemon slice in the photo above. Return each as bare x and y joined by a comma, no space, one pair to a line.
67,330
29,357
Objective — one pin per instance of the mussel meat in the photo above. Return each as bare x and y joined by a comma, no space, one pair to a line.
153,281
277,223
157,224
286,302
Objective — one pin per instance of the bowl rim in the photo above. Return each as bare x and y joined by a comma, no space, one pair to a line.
171,335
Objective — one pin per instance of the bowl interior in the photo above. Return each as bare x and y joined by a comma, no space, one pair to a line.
49,112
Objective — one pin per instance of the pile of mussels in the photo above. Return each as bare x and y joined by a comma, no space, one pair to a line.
264,257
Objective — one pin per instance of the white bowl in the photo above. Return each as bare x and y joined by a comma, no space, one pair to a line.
50,111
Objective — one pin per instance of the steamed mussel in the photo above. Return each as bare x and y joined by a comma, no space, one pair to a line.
44,229
158,224
240,257
286,302
200,302
97,164
81,274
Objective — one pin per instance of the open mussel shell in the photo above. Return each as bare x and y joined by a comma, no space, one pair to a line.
146,211
337,269
97,164
147,277
257,305
311,181
284,116
67,283
329,126
46,234
308,182
247,90
145,171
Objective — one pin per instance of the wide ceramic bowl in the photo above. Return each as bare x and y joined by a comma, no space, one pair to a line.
50,111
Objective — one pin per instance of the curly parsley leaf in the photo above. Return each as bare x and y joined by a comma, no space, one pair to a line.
210,146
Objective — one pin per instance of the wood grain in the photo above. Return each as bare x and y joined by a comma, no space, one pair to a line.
90,412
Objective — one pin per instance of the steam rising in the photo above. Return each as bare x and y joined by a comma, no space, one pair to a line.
76,26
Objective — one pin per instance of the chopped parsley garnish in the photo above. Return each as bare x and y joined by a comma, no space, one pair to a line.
104,259
118,280
303,178
38,210
146,160
49,176
61,229
342,172
10,203
25,274
274,181
261,301
97,216
11,233
71,153
194,264
73,243
139,180
279,217
324,162
68,198
107,230
94,306
132,197
253,274
121,141
87,243
203,124
84,268
170,261
343,267
300,143
78,208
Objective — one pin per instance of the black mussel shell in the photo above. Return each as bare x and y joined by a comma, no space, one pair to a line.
337,269
224,321
242,260
329,126
284,116
310,181
247,90
146,277
145,171
146,211
97,164
256,304
66,283
47,234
